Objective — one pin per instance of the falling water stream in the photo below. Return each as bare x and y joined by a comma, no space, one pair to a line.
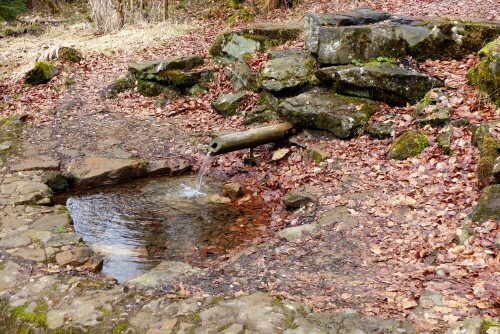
137,225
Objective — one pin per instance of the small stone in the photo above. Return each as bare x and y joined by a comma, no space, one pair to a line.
440,117
28,192
300,197
316,154
226,105
80,257
233,190
218,199
380,130
61,239
6,145
294,232
55,318
166,327
233,329
444,141
463,233
15,239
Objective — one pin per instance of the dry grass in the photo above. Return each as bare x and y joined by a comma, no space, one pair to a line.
17,54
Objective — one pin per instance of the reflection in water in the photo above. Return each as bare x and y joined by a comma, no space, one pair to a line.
137,225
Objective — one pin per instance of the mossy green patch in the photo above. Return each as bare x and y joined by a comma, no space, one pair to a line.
485,75
487,324
42,72
409,144
70,54
121,327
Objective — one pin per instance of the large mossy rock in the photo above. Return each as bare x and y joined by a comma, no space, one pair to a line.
445,37
379,81
41,73
260,37
181,63
343,45
486,74
489,151
409,144
359,16
488,205
171,76
288,74
341,115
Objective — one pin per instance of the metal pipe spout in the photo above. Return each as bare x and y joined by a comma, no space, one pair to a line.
250,138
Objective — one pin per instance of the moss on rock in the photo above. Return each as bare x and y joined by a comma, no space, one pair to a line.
409,144
70,54
42,72
486,74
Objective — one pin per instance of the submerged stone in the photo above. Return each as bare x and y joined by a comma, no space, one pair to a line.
341,115
380,81
256,38
407,145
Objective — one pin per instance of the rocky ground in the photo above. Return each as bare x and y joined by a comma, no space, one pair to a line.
377,239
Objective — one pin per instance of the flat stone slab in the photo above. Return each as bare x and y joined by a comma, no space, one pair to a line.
15,239
359,16
342,45
8,274
337,215
51,222
166,271
31,254
294,232
183,63
382,82
96,171
62,239
27,192
36,164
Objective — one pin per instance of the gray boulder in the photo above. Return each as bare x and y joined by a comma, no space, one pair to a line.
488,205
450,37
287,74
358,16
320,109
260,37
381,81
260,114
241,77
227,105
342,45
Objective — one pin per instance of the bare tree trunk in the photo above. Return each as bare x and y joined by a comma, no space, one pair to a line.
119,12
165,10
131,4
142,9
